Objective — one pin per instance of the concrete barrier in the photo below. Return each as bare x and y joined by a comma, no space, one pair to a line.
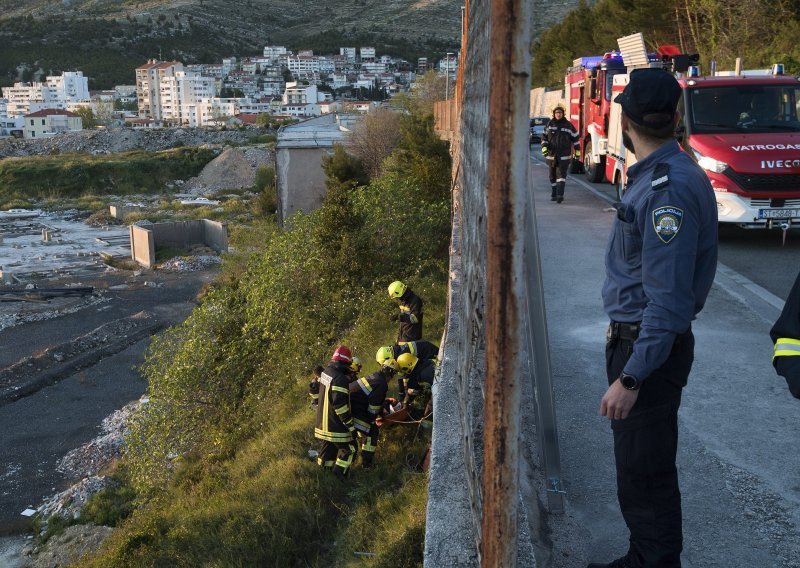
146,238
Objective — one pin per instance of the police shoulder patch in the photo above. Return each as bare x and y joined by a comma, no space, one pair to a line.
667,222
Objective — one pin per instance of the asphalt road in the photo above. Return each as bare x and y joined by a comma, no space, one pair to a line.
739,456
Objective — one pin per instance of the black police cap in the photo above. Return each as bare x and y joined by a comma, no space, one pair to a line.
650,91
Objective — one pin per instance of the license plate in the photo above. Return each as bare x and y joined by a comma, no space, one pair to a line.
778,213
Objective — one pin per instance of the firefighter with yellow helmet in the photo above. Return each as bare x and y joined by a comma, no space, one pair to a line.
416,375
560,141
410,315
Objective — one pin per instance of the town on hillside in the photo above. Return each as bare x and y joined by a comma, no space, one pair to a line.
276,86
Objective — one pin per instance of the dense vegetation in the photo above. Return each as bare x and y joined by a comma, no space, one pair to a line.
74,175
217,472
762,32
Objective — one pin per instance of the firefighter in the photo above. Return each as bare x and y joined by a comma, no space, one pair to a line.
410,315
367,396
422,349
334,426
786,336
313,386
559,144
417,375
355,368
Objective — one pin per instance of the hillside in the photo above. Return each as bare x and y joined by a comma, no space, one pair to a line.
107,39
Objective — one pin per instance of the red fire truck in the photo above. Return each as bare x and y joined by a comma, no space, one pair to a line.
743,128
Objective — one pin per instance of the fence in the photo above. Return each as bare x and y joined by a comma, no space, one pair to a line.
495,342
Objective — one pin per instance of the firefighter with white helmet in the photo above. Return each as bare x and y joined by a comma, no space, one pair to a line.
560,142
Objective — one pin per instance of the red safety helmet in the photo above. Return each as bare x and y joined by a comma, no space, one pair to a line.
342,354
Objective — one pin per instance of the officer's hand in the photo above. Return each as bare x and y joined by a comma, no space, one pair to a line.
545,151
394,317
618,401
577,154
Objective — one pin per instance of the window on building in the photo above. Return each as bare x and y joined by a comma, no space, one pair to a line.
43,122
31,122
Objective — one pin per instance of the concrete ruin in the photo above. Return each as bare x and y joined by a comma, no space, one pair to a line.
145,239
300,149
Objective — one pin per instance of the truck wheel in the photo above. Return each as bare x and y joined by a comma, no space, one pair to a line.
619,188
594,172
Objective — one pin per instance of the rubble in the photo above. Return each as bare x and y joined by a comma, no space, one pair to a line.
235,168
190,263
111,140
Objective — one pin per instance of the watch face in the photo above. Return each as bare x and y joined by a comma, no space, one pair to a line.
629,382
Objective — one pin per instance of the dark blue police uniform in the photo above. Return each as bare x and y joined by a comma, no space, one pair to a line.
660,264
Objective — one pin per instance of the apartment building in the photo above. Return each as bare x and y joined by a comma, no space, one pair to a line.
180,94
367,54
148,86
55,92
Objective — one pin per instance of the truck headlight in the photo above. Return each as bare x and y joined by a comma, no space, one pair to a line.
708,163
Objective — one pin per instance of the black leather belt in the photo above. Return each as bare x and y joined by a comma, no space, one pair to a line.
622,330
630,331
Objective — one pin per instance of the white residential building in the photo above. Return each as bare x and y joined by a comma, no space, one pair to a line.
148,86
301,65
349,53
228,65
373,67
70,86
367,53
55,92
273,52
181,93
301,94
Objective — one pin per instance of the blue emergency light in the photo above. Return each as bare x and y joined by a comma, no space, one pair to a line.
694,71
777,69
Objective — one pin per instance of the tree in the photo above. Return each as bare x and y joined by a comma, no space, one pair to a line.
87,117
426,90
374,138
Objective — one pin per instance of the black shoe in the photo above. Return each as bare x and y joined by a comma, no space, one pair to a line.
552,198
559,200
618,563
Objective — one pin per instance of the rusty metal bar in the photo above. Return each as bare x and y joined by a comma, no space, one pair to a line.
507,163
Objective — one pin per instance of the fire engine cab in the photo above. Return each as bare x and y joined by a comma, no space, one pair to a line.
743,128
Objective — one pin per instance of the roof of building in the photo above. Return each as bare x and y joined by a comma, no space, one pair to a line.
318,132
49,112
154,64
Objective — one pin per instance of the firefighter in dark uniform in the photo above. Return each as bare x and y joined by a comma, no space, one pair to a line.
785,335
559,143
417,376
313,386
367,395
410,315
421,349
334,426
660,264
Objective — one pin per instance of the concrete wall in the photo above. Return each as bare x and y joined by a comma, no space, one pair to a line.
301,180
543,101
145,240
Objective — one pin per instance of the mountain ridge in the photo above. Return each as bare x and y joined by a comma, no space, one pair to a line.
49,36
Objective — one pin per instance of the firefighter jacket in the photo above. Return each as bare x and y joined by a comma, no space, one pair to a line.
420,349
313,391
410,317
785,335
560,138
366,399
334,420
420,378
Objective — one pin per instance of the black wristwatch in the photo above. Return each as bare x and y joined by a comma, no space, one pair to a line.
629,381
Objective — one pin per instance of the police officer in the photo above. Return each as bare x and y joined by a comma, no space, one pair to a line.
660,263
785,335
559,142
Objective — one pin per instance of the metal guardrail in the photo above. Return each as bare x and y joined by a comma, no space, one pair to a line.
539,369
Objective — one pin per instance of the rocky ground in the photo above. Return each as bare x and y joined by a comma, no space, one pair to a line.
111,140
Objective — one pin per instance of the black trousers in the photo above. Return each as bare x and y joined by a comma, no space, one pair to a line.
337,455
645,449
559,166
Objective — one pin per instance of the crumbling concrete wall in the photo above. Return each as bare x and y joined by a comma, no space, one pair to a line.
543,101
145,239
301,179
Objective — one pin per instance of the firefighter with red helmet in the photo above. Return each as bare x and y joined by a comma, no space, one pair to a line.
334,425
560,142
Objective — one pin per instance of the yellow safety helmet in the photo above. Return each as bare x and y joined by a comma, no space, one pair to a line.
407,362
383,354
355,365
390,363
396,289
